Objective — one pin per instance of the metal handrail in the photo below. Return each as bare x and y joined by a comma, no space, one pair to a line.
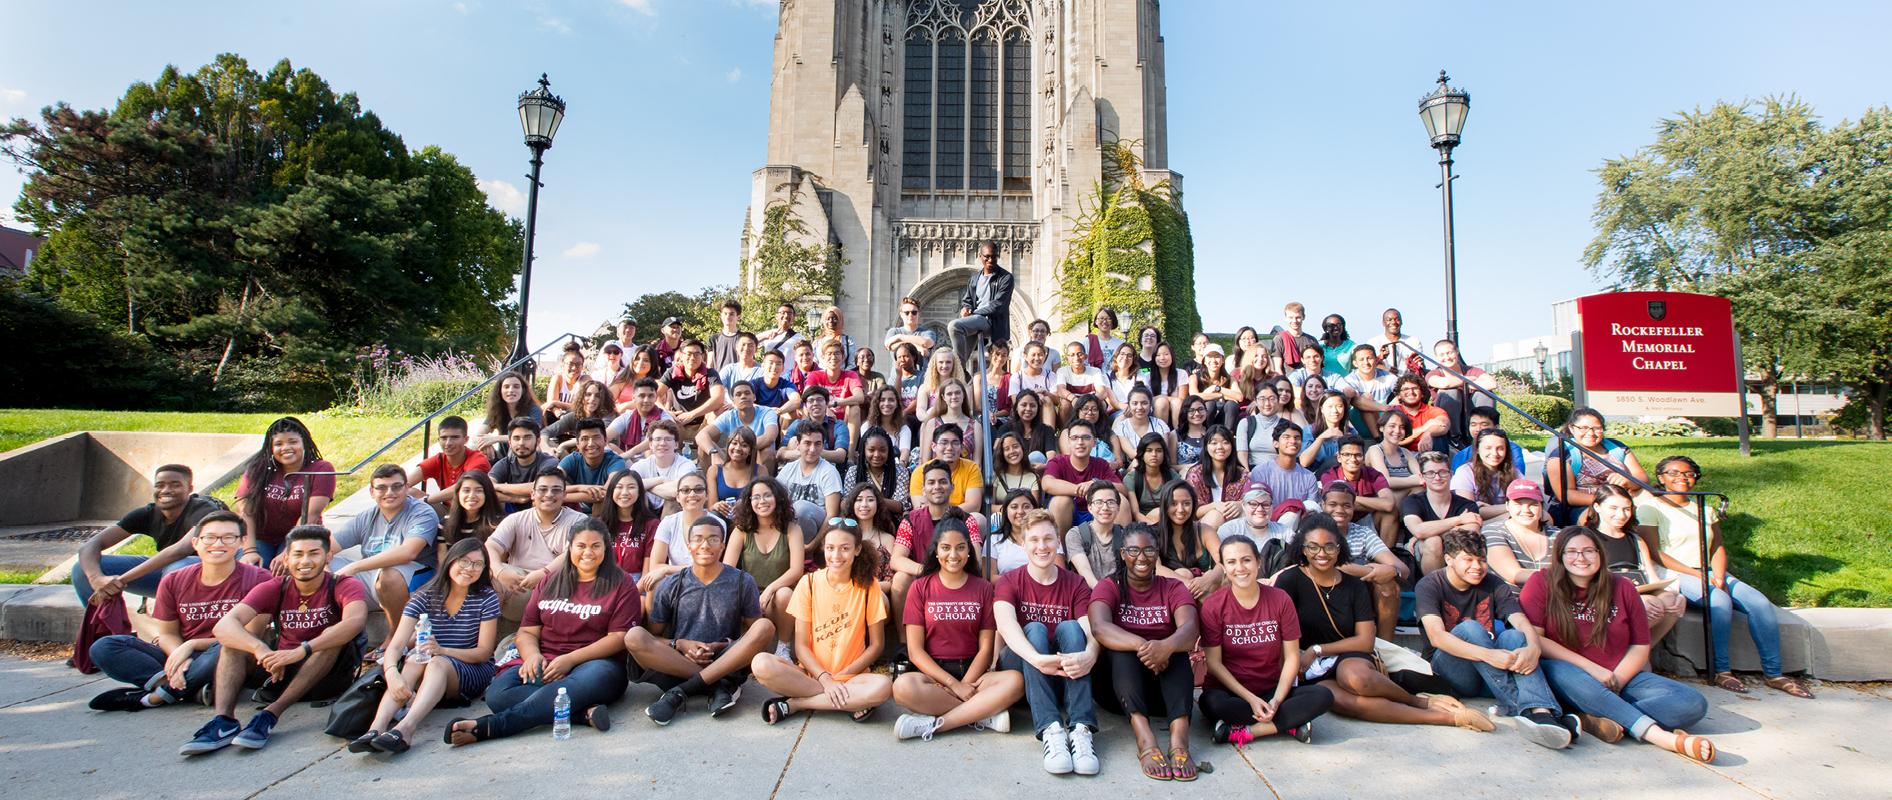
1566,441
427,421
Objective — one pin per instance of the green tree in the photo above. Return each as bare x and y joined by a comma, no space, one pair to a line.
262,226
697,312
1131,251
784,267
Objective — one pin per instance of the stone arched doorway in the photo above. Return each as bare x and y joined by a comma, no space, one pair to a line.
938,296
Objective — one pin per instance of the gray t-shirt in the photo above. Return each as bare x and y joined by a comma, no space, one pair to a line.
1365,543
1240,527
703,612
1497,534
529,547
375,533
1103,561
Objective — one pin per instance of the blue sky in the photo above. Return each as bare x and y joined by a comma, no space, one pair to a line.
1306,171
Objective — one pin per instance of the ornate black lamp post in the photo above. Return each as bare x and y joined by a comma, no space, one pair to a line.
540,113
1444,112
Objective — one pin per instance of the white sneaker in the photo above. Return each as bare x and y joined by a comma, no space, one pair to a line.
1057,750
1083,752
784,652
997,723
915,726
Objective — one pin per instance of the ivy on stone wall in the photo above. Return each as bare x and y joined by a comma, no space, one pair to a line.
785,269
1130,250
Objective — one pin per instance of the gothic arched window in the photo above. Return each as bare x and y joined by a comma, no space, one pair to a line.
967,89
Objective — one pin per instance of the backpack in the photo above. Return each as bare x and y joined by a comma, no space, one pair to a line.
1274,557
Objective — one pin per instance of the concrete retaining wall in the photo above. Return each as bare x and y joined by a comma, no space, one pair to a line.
103,474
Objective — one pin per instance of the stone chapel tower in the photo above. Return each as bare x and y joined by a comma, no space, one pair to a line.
916,129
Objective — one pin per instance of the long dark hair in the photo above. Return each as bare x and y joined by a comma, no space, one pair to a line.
1592,518
951,524
872,416
435,592
746,519
1231,468
1020,422
1190,546
886,511
999,463
262,467
1003,527
564,578
490,511
1318,521
1491,491
607,511
498,413
607,400
1599,599
889,473
743,434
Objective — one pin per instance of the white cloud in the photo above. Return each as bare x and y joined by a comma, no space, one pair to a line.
734,74
462,8
556,25
640,6
11,96
504,196
582,250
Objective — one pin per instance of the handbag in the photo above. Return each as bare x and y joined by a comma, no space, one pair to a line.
350,714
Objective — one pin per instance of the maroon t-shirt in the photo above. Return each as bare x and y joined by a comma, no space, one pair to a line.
1149,613
1060,467
1368,484
282,499
582,619
632,547
1628,624
1066,598
1251,638
184,599
952,618
301,618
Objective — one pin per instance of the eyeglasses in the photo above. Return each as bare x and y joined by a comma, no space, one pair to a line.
1329,548
1436,473
1587,428
1110,503
1138,552
1082,437
1585,554
1690,474
227,538
844,522
1258,505
548,490
692,490
469,564
909,311
388,488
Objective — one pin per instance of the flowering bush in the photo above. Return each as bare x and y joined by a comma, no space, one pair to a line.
387,382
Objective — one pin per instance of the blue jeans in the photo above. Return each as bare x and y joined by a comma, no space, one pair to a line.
1513,692
129,659
519,707
1762,623
1055,699
1648,699
146,586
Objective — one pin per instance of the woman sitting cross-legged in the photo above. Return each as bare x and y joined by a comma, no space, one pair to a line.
1337,623
1147,625
1602,670
571,638
1252,638
706,624
463,610
950,630
839,613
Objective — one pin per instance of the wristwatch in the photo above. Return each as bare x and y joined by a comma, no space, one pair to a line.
306,650
1317,651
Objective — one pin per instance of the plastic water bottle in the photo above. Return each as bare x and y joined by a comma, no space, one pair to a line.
423,633
562,716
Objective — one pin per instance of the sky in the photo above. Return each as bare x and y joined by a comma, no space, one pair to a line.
1306,171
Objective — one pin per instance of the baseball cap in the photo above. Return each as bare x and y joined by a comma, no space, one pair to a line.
1213,348
669,321
1524,489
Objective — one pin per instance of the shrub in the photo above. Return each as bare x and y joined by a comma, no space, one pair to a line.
65,358
1715,426
1554,411
1674,426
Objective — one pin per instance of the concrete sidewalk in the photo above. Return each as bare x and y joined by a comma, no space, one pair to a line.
1771,746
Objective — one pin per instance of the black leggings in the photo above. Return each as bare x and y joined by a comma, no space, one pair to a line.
1134,689
1301,706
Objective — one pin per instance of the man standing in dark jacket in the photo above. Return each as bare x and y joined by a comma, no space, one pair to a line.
986,306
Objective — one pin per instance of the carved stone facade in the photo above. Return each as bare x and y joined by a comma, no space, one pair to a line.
917,129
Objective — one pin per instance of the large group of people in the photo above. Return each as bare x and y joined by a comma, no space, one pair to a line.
1113,526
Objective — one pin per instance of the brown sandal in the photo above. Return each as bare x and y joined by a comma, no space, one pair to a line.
1181,766
1728,681
1155,767
1694,748
1790,686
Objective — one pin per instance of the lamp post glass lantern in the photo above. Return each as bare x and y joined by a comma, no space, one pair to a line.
540,113
1443,113
1543,354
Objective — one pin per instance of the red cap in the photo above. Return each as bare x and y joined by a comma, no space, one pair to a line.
1524,489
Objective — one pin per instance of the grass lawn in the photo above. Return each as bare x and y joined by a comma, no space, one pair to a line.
342,440
1802,523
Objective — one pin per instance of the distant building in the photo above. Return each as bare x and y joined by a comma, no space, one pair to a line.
16,251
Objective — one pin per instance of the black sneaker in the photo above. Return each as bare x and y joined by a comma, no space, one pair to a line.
724,696
1544,729
1573,724
215,735
1303,733
124,698
1219,733
665,709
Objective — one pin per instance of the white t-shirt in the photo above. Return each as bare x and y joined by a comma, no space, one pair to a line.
1123,428
1408,345
671,532
1007,555
1379,387
1677,531
647,469
1093,378
1038,383
815,487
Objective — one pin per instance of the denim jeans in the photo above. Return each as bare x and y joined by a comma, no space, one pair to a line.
1055,699
812,516
1513,692
146,586
1762,623
129,659
519,707
1648,699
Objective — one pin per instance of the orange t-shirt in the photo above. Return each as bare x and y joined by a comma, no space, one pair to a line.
839,616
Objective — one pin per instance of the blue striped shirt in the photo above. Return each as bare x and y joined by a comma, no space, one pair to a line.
457,631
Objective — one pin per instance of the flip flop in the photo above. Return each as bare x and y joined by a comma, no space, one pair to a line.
1155,767
482,730
1181,766
1790,686
1695,748
775,709
391,742
1728,681
863,714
